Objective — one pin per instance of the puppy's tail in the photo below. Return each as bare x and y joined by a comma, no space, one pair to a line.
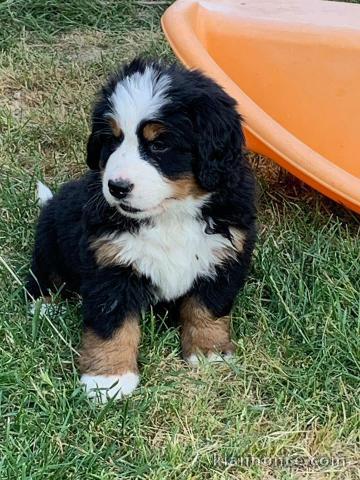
44,194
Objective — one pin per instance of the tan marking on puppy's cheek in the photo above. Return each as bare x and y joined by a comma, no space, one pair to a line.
114,356
115,127
185,187
153,130
202,332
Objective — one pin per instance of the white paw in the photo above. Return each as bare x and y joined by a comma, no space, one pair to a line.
196,359
46,308
43,309
102,388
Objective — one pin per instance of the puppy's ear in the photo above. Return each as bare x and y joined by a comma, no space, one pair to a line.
220,138
93,150
99,127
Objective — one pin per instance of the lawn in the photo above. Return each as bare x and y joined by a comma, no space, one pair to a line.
287,408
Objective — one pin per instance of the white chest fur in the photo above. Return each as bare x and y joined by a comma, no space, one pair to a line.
172,252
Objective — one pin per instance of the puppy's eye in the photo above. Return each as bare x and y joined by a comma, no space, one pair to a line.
158,147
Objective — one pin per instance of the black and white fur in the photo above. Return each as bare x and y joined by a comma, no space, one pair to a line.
171,245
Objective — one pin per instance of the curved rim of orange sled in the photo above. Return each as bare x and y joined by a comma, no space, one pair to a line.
291,153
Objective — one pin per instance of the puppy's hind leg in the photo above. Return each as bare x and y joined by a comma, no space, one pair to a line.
38,283
45,258
38,286
43,265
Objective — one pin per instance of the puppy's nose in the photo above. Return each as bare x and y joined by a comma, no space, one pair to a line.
120,188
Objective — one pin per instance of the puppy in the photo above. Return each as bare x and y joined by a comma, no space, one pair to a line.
166,213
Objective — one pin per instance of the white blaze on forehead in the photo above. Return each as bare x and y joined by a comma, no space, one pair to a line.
138,97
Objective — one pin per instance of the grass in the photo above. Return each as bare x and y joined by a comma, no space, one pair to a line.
293,393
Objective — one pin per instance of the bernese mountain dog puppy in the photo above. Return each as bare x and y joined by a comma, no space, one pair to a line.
166,214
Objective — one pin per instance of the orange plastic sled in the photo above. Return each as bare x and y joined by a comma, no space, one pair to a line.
294,68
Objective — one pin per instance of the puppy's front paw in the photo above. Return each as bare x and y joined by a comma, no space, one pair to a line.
101,388
212,357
